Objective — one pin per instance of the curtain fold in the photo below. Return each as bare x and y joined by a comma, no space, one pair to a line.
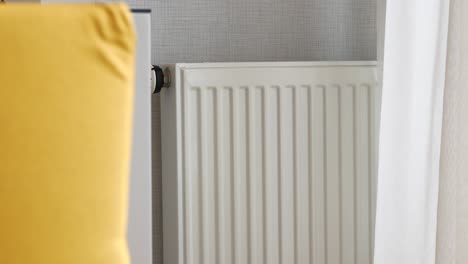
452,224
410,131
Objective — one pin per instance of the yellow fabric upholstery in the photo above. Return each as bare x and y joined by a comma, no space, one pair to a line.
66,91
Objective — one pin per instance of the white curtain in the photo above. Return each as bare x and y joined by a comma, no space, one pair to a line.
410,131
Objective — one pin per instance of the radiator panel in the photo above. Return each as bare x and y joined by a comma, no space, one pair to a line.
275,165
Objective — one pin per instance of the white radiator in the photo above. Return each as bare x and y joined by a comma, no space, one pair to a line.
269,163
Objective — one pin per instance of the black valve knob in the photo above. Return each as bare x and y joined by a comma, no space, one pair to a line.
159,76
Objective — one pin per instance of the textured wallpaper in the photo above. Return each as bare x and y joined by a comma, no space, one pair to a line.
261,30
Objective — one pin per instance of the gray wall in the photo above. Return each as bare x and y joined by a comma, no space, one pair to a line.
261,30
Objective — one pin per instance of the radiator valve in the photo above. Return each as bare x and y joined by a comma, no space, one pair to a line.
160,78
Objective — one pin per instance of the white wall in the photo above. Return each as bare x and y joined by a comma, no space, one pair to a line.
452,221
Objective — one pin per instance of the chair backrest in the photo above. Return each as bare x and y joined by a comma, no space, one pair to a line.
66,93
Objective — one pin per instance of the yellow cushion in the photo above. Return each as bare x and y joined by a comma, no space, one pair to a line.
66,89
